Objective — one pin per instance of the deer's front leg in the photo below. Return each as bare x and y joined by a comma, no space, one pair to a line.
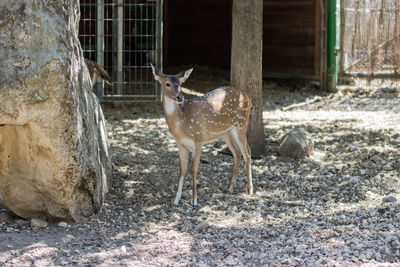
183,162
193,170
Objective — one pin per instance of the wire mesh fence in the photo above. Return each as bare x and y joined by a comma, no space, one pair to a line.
124,36
371,38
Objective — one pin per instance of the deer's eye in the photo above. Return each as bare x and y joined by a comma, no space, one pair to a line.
168,85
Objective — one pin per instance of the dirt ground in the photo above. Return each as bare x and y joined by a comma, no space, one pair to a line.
338,207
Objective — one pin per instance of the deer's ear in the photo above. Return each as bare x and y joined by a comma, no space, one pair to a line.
182,76
156,73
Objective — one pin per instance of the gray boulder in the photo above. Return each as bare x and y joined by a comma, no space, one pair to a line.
296,144
54,154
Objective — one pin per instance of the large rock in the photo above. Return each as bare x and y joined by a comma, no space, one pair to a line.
296,144
54,159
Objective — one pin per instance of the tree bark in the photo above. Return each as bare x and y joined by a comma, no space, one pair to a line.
246,65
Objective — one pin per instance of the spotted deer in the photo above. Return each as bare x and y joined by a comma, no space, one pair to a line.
222,113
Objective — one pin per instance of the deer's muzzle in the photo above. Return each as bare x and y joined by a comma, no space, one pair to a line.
179,98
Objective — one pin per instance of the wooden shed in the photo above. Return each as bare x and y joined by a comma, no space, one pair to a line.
199,32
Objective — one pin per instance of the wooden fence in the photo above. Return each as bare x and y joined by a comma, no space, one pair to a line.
370,39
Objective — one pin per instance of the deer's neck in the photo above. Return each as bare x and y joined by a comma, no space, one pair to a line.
172,113
170,107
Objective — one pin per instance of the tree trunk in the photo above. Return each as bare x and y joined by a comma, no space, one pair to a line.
246,65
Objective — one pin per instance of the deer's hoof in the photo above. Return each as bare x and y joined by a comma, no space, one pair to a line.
231,189
194,204
175,203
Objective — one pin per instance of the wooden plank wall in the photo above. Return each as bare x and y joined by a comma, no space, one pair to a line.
289,36
199,32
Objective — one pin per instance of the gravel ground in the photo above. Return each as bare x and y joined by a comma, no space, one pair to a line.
338,207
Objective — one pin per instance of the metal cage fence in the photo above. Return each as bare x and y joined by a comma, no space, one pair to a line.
124,36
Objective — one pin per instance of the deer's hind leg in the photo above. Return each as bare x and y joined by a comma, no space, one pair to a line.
240,139
230,141
193,171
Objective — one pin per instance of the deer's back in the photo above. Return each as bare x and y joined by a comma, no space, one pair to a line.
217,112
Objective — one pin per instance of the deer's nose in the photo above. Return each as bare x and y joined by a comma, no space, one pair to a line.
179,98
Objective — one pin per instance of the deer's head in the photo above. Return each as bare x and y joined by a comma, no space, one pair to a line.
171,84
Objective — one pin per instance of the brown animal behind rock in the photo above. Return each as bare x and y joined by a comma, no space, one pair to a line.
96,71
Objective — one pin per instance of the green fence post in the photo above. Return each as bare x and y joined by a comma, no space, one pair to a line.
331,49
